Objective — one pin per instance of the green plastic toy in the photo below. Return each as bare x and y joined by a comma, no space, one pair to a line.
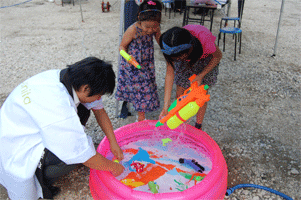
166,140
153,187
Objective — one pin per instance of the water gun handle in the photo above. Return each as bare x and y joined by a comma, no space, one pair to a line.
194,84
191,78
130,59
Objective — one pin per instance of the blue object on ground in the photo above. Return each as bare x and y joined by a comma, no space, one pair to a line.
231,190
15,4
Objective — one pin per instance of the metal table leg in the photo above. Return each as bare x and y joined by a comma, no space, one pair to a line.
211,19
185,15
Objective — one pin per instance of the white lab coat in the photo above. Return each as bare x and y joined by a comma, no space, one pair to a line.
38,114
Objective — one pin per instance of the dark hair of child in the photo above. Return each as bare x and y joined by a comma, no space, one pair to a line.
177,36
150,10
99,75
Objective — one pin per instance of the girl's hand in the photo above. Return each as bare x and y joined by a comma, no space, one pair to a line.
117,152
199,79
163,113
118,169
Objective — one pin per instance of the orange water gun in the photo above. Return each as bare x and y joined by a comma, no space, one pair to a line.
130,59
186,106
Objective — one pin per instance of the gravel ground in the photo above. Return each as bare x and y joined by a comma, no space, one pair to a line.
254,111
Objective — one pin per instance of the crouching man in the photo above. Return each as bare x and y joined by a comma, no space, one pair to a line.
41,128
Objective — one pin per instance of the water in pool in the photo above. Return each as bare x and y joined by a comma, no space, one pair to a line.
153,165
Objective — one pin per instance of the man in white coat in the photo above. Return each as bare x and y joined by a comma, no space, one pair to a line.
41,128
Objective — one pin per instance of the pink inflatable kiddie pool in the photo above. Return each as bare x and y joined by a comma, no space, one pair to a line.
104,185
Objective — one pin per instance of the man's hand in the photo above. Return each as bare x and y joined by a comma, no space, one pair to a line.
117,152
99,162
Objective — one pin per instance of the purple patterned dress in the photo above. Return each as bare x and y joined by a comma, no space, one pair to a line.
138,86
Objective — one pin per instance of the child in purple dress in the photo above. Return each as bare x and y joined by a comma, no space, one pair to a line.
138,86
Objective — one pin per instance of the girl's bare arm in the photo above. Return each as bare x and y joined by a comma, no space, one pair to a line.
169,78
158,35
217,56
127,38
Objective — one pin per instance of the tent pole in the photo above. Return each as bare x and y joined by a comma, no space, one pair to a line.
278,29
81,12
120,38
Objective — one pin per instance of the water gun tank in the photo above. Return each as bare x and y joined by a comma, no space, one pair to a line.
185,113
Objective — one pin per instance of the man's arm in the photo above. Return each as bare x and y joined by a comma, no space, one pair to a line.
99,162
105,124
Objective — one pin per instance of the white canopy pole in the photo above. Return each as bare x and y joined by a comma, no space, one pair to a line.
121,21
278,29
120,38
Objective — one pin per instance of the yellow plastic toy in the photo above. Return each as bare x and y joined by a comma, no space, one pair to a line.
166,140
130,59
186,106
132,182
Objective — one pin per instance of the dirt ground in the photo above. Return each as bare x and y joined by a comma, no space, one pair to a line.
254,111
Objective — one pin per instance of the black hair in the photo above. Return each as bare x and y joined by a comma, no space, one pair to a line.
150,10
95,73
177,36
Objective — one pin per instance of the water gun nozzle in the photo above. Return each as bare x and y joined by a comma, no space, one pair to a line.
130,59
159,124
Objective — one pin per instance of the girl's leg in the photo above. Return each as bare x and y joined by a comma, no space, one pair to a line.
180,90
124,113
141,116
201,113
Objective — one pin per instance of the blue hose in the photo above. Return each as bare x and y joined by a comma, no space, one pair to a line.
231,190
15,4
218,2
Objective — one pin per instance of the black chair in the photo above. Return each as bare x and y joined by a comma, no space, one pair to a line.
67,1
179,6
235,30
168,4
